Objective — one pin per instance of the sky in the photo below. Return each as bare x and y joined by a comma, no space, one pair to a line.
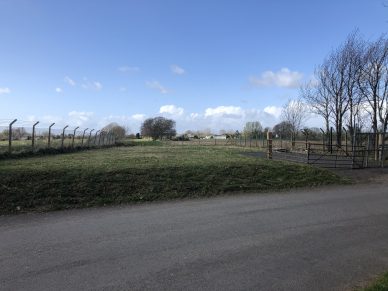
207,64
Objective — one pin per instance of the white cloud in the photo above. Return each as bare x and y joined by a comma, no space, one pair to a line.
171,110
177,70
157,86
138,117
283,78
4,90
224,111
127,69
274,110
69,81
58,90
79,118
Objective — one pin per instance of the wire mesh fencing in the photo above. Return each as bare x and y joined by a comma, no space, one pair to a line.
18,136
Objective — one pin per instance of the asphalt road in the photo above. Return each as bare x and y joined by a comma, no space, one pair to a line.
327,239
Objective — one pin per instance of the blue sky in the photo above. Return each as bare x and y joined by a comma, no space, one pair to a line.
206,64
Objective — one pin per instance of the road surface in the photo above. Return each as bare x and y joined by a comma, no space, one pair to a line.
327,239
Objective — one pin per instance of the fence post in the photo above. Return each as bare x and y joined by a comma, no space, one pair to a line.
63,135
308,153
323,139
269,142
346,140
49,136
10,136
33,134
83,136
90,136
72,143
95,137
99,137
331,140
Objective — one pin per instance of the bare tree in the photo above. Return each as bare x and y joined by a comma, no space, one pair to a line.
373,85
352,54
317,98
118,131
295,114
253,128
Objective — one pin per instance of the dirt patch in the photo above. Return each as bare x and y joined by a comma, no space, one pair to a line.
369,175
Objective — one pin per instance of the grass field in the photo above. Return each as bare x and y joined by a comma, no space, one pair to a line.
381,284
144,173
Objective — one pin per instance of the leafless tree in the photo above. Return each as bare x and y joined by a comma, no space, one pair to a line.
253,128
373,85
317,98
352,54
117,130
295,114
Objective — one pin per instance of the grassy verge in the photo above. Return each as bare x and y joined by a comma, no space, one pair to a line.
381,284
135,174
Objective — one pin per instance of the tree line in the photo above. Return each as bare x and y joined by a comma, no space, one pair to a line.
350,89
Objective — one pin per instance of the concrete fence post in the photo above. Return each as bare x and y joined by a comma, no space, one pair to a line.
90,136
83,136
95,137
10,136
99,137
269,142
49,135
33,134
72,143
63,135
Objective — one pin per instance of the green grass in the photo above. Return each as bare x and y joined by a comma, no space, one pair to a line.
136,174
381,284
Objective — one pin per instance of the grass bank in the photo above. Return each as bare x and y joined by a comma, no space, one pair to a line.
381,284
136,174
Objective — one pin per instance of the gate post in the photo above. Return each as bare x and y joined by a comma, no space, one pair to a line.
269,142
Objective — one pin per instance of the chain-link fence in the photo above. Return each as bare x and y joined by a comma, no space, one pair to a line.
18,136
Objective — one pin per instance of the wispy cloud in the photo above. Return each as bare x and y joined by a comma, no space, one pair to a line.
157,86
58,90
127,69
283,78
69,81
175,69
92,85
4,90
